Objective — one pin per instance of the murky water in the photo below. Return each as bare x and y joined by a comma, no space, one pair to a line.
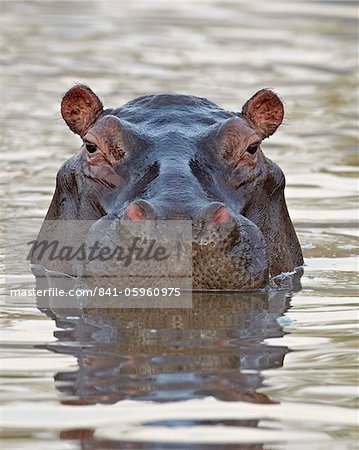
235,371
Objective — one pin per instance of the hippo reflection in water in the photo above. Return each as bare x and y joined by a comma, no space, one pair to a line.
215,348
182,157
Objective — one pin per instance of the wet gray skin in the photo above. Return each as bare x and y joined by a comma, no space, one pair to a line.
182,157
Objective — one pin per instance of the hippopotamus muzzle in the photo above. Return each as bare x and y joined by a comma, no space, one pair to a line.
229,256
228,251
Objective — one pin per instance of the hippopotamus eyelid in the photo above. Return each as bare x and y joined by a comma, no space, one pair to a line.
90,138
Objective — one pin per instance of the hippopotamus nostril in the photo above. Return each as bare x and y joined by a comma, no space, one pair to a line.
215,212
221,215
140,210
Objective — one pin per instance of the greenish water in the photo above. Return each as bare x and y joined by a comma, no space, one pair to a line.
251,371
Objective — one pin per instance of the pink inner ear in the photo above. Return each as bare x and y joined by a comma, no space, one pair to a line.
80,107
265,111
136,212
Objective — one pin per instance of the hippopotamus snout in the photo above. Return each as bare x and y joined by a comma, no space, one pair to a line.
228,250
215,212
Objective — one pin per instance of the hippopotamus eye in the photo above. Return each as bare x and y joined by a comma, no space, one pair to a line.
90,147
252,148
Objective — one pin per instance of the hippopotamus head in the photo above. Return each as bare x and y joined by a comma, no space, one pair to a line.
168,156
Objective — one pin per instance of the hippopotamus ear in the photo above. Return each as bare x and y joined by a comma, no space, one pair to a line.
80,108
264,111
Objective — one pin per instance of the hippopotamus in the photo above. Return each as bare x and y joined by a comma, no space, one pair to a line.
174,157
